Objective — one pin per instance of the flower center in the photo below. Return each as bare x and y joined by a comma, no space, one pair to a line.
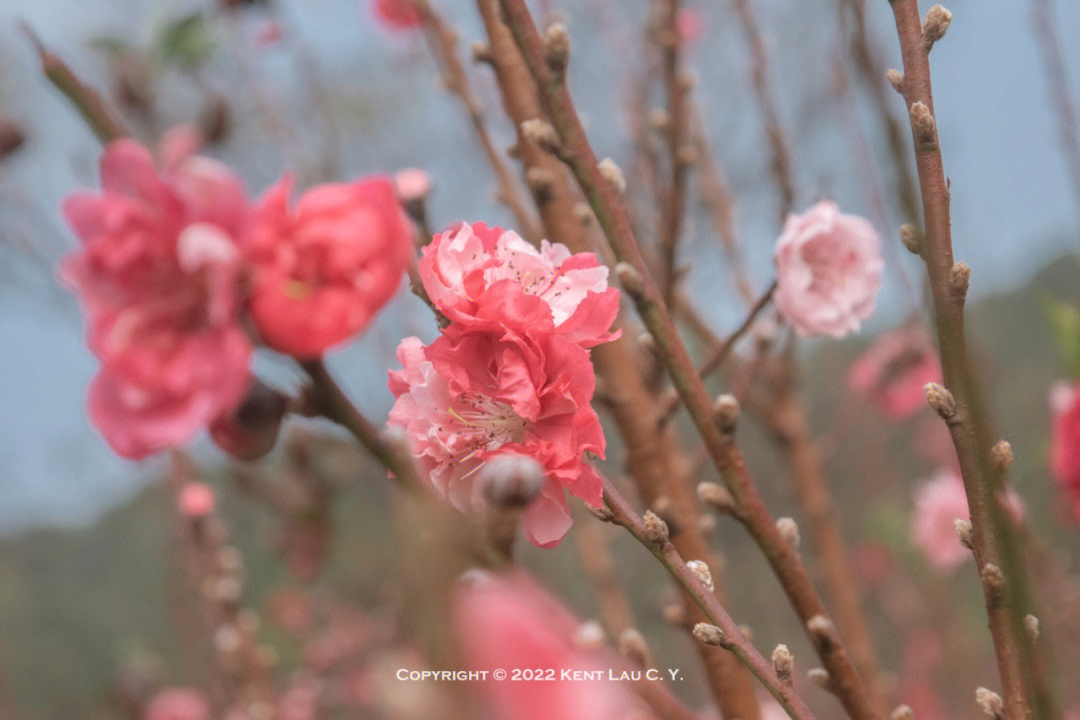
488,424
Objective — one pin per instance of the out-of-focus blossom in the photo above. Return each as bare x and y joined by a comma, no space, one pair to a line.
474,394
269,32
828,269
291,609
195,500
483,277
872,562
178,704
397,14
324,267
939,503
508,621
690,25
892,373
1065,442
412,184
158,275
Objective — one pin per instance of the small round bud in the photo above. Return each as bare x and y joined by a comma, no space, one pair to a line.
702,573
902,712
964,533
583,213
789,530
820,677
541,181
613,174
481,52
601,513
674,613
990,703
630,279
726,409
543,134
633,647
993,584
896,79
922,122
646,342
708,634
511,480
557,48
822,631
659,118
590,635
959,279
783,663
941,400
656,530
935,24
1002,456
911,238
1031,624
716,497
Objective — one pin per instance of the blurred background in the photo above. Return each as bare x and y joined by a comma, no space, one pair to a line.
88,596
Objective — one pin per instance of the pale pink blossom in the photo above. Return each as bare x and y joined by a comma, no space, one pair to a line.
508,621
269,32
158,274
412,184
474,394
893,372
397,14
324,267
690,25
178,704
481,276
1065,442
939,503
195,500
828,271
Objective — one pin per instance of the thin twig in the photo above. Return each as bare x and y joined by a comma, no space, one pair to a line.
612,216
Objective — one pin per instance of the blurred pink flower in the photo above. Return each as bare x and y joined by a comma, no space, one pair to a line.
397,14
939,503
158,275
195,500
507,620
894,370
1065,442
269,32
325,267
690,24
828,270
481,276
412,184
178,704
474,394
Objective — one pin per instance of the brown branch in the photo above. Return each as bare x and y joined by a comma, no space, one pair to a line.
774,130
733,639
654,459
442,39
612,215
98,115
996,552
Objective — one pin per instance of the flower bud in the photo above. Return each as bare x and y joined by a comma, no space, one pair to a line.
941,400
708,634
716,497
511,480
911,238
726,409
630,279
542,133
1002,456
959,278
656,530
993,584
935,24
902,712
922,122
557,48
896,79
251,430
701,571
590,636
789,530
820,677
963,532
1031,624
990,703
633,647
481,52
822,631
783,663
613,174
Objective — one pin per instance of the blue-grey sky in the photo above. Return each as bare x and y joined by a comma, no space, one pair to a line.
1013,207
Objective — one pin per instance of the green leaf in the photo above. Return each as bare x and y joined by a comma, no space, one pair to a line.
186,41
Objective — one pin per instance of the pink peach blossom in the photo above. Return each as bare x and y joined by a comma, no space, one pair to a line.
893,372
828,271
158,275
178,704
398,14
323,268
690,24
474,394
939,503
1065,442
507,620
480,276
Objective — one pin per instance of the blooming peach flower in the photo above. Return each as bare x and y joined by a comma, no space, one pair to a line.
398,14
480,276
158,277
508,620
828,269
939,503
474,394
893,372
1065,442
324,267
178,704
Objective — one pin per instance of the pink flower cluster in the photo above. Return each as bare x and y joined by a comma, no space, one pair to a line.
174,260
511,373
828,271
1065,442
